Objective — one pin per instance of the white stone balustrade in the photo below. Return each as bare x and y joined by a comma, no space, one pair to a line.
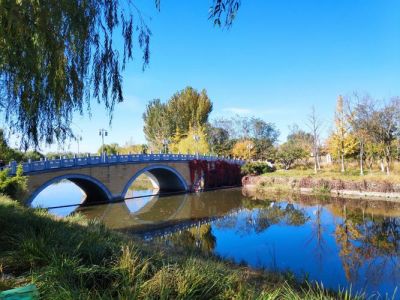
75,162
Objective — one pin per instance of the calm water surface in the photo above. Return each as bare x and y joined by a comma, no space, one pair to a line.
338,242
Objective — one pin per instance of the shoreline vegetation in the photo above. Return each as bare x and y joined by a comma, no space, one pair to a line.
328,183
75,258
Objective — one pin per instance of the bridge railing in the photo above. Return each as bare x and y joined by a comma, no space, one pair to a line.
45,164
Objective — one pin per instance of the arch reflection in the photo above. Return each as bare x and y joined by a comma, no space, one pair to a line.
157,215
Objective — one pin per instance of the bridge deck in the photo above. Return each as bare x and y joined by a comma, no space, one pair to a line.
62,163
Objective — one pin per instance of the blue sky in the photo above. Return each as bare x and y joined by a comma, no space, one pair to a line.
280,58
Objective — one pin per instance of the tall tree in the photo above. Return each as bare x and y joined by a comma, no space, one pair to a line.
184,110
386,128
218,139
342,143
189,108
264,136
157,124
341,131
360,118
314,123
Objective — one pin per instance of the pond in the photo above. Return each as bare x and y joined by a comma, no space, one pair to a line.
341,243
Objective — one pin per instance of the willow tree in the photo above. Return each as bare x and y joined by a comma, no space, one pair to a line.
57,55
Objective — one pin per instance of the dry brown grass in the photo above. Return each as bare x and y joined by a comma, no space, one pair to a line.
333,173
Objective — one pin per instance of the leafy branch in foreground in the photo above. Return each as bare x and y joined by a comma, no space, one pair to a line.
56,55
225,10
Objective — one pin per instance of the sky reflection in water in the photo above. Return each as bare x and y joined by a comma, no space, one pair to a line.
334,241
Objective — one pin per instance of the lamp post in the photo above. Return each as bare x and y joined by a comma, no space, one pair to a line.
165,143
196,139
102,133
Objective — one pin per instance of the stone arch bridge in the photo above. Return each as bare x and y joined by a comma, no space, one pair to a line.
108,178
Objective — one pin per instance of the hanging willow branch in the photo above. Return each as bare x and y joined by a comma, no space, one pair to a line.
223,12
56,55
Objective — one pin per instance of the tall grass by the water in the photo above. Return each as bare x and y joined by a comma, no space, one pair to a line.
73,258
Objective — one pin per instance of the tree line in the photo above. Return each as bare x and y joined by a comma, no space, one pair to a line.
368,130
365,131
182,124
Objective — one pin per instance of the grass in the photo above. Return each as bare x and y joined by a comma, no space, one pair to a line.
326,180
73,258
276,189
330,173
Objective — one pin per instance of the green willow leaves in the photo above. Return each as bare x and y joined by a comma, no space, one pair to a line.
57,54
225,10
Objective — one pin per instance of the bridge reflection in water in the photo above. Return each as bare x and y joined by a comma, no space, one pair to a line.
336,241
158,215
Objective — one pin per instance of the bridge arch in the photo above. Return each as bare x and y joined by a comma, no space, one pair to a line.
95,190
167,179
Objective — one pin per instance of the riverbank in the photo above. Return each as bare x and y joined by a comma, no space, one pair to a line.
73,258
326,183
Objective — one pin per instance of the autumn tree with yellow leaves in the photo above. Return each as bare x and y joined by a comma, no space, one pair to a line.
195,141
244,148
342,143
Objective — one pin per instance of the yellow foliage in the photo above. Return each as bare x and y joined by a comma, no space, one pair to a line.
189,144
342,142
348,144
244,148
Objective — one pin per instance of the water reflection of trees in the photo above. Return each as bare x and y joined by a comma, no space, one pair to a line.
199,237
371,242
257,216
317,234
367,233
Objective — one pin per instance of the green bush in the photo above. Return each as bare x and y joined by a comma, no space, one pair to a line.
289,153
13,186
257,168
